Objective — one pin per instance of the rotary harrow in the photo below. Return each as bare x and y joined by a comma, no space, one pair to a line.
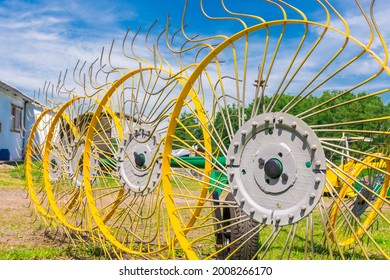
268,172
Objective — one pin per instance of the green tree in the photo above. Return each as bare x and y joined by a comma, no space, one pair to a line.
331,107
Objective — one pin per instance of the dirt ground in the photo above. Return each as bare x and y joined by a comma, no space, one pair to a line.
20,227
18,223
25,235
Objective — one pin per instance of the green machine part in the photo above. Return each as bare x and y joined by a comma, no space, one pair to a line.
218,179
197,161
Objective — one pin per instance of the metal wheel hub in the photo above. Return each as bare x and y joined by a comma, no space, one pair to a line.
76,153
360,204
139,169
274,169
277,168
55,171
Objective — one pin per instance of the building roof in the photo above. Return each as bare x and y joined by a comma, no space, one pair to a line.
7,88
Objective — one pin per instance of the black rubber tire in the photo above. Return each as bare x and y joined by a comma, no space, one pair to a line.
248,250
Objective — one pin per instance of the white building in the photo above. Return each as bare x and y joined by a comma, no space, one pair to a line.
17,114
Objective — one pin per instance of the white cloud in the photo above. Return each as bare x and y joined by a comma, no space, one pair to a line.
38,41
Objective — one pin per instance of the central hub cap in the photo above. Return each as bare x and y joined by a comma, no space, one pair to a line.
277,168
138,160
273,168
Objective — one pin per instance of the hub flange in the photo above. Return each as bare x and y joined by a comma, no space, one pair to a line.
138,160
75,164
277,168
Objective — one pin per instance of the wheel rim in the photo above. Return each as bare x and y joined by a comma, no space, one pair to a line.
33,162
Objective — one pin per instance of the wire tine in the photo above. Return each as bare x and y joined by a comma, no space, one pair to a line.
138,58
74,71
101,62
79,81
384,45
93,82
260,19
63,88
366,47
124,43
183,24
147,36
110,54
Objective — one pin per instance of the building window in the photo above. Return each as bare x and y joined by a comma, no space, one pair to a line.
16,118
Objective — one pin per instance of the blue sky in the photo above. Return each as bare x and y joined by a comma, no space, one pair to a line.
41,38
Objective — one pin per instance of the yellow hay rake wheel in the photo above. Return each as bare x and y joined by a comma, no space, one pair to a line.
128,173
62,164
129,214
269,140
364,191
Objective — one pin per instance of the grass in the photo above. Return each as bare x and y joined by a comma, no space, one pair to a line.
57,252
28,253
12,176
379,231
